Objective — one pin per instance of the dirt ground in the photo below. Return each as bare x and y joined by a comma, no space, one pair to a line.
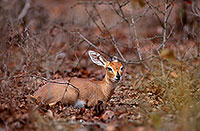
157,42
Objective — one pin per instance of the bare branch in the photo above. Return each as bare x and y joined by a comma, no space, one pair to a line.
113,39
195,11
24,10
42,78
155,7
90,43
136,37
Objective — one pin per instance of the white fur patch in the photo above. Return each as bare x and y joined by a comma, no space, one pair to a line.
79,104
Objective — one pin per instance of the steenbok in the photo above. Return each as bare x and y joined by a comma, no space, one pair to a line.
87,92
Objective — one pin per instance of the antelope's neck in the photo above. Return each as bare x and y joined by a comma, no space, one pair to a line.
107,88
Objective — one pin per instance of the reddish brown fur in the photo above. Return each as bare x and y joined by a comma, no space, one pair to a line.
90,91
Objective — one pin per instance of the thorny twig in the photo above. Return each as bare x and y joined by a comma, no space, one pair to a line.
166,16
24,10
42,78
195,11
92,45
136,37
120,11
89,3
154,7
137,41
94,21
105,27
121,14
164,37
75,67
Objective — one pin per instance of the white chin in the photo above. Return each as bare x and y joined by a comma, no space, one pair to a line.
115,80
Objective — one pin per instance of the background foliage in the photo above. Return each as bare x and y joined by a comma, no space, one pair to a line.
157,41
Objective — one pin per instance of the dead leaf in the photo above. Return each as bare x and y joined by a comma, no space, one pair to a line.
169,56
107,115
173,74
141,3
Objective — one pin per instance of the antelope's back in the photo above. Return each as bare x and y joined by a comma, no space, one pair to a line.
84,90
51,93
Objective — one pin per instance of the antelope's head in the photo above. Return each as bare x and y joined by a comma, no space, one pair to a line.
114,68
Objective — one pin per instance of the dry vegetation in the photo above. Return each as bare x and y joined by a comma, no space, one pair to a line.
157,41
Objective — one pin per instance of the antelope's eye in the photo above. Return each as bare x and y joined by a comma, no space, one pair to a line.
109,69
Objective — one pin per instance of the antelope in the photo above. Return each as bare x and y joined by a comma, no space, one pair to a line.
87,92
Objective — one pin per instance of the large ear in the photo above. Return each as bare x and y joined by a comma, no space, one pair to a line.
97,59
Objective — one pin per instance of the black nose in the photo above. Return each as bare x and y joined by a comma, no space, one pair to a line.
118,76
